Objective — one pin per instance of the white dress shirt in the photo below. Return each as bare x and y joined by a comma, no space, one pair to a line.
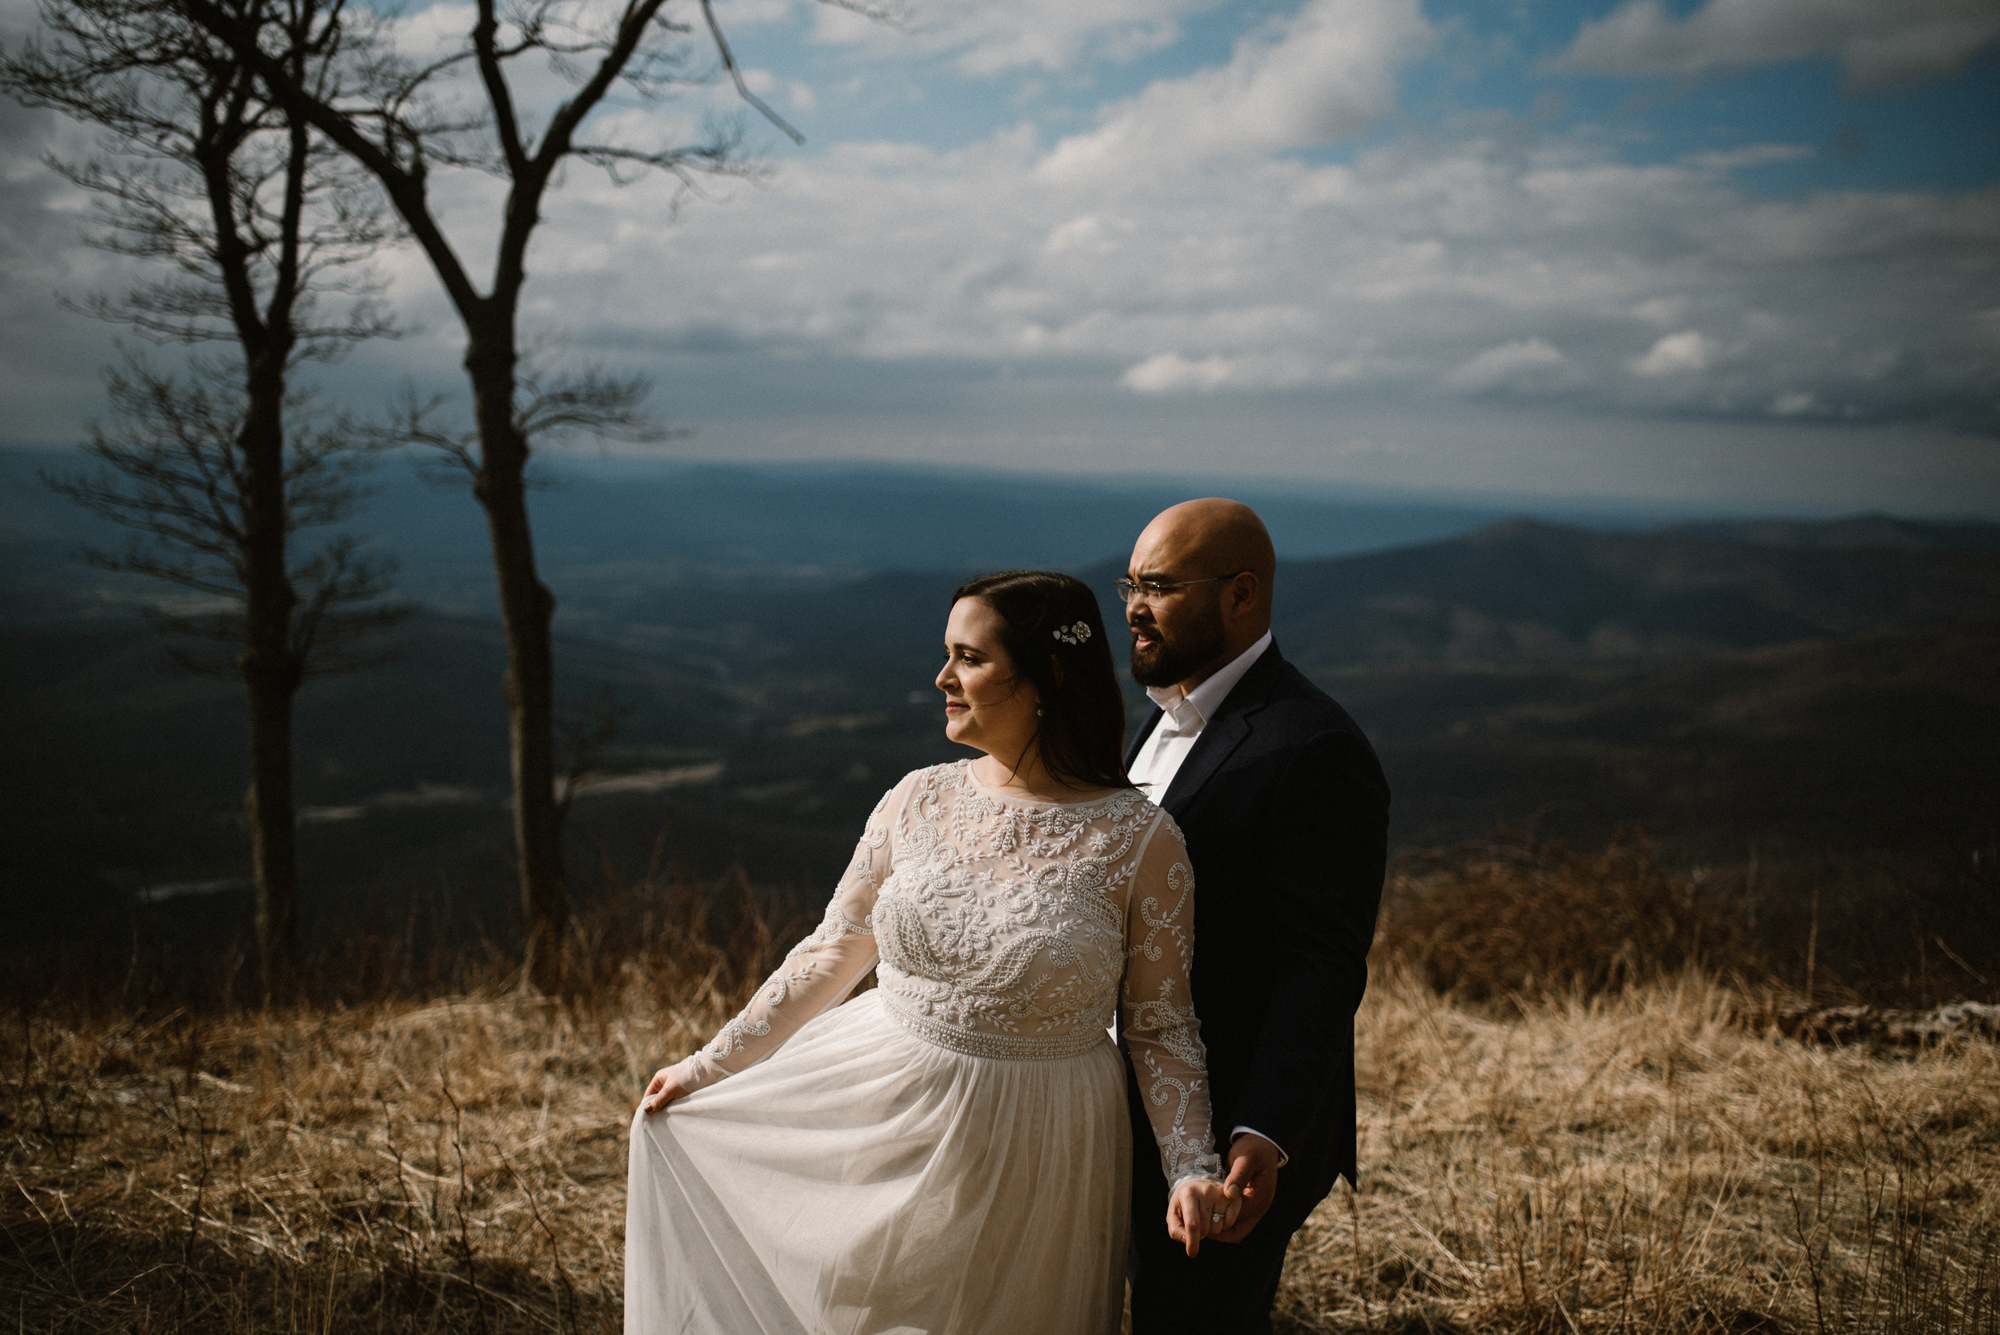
1159,760
1153,769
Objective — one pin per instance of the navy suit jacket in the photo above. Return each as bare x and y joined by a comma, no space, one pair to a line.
1286,815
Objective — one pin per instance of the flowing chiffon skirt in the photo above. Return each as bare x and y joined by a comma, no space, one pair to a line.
866,1181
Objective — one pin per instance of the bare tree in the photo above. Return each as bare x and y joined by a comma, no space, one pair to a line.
256,222
399,124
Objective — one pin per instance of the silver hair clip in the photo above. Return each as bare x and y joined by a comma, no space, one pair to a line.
1076,634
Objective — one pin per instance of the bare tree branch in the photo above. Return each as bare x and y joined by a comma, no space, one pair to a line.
393,128
742,88
171,472
207,174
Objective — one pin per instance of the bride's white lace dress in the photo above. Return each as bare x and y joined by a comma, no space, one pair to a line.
950,1151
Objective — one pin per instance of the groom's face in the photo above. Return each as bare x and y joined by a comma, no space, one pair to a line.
1177,636
1180,632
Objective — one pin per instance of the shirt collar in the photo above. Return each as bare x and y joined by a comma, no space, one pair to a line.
1206,698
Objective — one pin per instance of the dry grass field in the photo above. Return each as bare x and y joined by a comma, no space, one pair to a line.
1635,1153
1655,1161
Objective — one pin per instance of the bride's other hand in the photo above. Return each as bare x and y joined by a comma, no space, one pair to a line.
1200,1208
663,1089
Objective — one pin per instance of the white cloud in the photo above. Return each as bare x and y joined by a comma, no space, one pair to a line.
987,39
1091,233
1518,363
1879,43
1677,354
1464,262
1421,269
1327,73
1170,371
734,14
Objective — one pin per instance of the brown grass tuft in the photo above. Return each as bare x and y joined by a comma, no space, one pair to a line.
454,1166
1514,917
1647,1162
407,1164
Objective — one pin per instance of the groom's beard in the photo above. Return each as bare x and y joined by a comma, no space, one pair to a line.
1192,647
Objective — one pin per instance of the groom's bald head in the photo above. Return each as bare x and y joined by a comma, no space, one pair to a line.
1208,537
1216,560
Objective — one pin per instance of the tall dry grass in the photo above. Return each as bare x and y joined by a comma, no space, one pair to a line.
407,1164
1654,1161
1629,1152
1514,918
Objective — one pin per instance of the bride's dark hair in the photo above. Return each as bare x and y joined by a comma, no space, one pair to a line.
1081,731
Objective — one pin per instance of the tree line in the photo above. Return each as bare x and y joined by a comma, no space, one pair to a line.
258,153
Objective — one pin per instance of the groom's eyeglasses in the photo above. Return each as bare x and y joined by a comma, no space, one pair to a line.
1133,590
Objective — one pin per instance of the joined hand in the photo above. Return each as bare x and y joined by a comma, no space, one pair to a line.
1253,1176
1193,1209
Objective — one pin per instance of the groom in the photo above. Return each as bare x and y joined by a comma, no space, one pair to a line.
1286,812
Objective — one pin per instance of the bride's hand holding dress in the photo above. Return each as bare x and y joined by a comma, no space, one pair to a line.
662,1089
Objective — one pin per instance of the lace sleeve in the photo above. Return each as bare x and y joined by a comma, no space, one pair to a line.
1160,1025
817,973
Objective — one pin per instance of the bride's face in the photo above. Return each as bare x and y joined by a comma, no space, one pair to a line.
985,704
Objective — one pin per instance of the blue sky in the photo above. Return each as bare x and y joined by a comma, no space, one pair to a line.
1927,132
1724,254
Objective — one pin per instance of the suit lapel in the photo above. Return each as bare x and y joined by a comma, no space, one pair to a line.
1217,740
1223,733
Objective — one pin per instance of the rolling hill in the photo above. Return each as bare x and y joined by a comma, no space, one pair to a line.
1797,694
1528,592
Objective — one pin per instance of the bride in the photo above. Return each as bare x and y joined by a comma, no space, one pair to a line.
950,1151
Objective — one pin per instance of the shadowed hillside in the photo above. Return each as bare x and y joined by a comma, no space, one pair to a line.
1802,703
1530,592
1884,740
1870,530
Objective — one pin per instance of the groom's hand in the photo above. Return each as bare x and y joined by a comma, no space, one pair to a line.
1253,1176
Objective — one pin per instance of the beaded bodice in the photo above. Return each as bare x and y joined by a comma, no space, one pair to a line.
1012,929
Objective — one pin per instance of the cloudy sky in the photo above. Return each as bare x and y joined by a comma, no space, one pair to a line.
1723,254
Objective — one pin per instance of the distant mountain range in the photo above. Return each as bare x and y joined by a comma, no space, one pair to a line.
609,530
1878,531
606,527
1800,688
1529,592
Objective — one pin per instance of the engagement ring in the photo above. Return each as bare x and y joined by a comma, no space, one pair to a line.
1215,1218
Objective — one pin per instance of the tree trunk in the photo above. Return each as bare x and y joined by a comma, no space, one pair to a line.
526,610
273,837
271,678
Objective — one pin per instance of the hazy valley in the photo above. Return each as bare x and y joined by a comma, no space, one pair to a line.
1794,697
